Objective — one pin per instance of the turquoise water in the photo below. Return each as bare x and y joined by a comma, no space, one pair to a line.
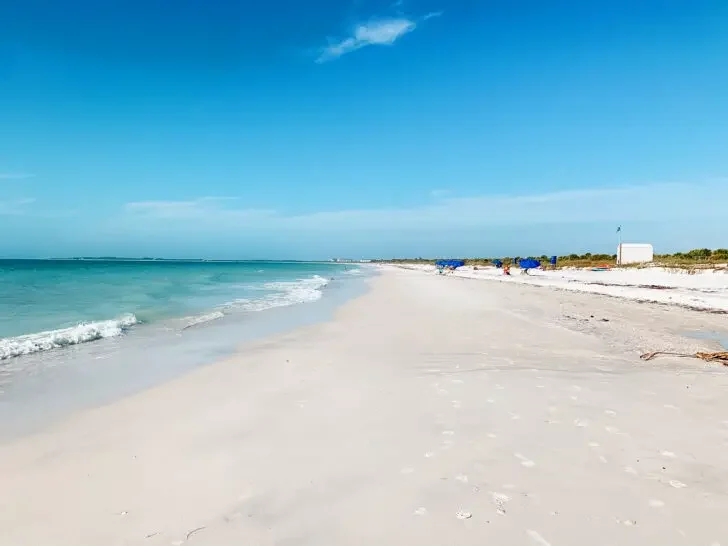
48,304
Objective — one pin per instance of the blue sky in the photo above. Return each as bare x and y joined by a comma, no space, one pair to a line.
287,129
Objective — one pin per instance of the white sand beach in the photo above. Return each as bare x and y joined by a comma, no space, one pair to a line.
704,289
433,410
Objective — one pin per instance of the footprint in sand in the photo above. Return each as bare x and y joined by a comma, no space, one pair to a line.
500,500
677,484
462,478
421,511
581,423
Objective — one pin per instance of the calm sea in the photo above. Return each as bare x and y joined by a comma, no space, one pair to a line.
46,305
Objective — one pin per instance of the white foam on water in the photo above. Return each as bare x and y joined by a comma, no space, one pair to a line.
280,294
202,319
283,294
54,339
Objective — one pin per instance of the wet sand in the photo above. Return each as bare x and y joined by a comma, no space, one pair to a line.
432,410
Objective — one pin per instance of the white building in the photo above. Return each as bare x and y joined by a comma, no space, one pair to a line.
634,253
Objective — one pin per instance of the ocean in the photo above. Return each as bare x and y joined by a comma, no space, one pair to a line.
76,333
49,304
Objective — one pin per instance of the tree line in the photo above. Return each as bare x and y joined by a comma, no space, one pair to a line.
695,256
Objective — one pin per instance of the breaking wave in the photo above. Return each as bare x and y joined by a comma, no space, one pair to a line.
277,294
202,319
283,294
54,339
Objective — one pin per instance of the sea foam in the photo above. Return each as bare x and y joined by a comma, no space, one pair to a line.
280,294
283,294
202,319
53,339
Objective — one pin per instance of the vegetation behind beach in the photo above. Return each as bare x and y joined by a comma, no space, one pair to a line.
696,258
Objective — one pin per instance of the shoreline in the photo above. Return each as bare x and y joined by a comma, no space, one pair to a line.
39,389
89,303
464,413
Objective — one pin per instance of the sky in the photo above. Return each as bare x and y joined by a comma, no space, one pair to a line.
361,128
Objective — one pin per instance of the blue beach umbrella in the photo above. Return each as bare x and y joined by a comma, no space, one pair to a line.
529,263
450,263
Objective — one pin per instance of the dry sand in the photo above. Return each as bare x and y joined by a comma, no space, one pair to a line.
433,410
702,289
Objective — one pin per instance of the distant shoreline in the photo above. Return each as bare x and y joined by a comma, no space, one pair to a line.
699,257
176,260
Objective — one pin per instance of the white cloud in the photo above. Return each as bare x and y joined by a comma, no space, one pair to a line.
663,202
439,193
379,32
201,208
14,207
15,176
432,14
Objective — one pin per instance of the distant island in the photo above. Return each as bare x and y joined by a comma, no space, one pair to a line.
149,259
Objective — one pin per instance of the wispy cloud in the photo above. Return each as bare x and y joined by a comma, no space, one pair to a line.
378,32
439,193
15,176
200,208
14,207
649,202
432,14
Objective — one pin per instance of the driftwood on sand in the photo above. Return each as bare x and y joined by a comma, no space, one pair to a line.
721,356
